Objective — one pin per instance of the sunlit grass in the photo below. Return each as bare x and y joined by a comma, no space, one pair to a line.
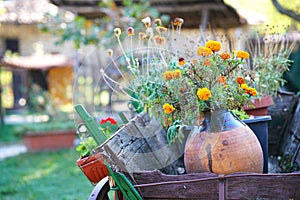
46,175
7,134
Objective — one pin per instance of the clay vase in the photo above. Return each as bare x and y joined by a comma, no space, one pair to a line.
222,144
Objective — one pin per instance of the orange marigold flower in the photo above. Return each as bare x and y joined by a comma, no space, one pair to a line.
168,75
168,108
159,40
88,24
252,91
130,31
203,93
176,73
225,55
181,61
242,54
240,80
206,62
204,51
222,79
215,46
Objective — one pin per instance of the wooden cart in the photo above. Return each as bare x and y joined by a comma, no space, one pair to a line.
138,158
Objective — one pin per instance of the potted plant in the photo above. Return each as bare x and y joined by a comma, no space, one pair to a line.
183,82
92,164
51,135
269,61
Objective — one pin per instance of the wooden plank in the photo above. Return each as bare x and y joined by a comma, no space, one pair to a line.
264,186
155,185
177,186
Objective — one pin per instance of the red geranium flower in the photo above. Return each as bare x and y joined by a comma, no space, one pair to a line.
108,119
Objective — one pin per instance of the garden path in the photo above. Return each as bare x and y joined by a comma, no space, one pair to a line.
11,149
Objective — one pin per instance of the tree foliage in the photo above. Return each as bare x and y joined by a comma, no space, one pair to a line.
290,8
82,31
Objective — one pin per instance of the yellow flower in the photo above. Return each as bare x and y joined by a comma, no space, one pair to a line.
204,51
203,93
242,54
176,73
225,55
215,46
168,108
244,86
88,24
168,75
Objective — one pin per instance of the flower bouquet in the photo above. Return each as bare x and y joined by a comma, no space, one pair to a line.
182,82
175,78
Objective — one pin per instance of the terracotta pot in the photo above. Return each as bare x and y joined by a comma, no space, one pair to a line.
93,168
49,140
259,106
223,145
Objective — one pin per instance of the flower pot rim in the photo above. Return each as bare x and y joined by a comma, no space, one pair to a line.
258,119
49,132
259,102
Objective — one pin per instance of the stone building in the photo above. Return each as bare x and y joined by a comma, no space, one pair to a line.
30,56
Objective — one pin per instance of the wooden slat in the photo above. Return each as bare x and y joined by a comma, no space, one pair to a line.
272,186
155,185
177,189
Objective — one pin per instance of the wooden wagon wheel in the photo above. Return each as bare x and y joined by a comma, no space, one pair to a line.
101,190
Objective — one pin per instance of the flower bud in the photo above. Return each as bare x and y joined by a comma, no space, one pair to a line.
117,32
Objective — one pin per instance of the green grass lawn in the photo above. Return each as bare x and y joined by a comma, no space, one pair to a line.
8,133
42,176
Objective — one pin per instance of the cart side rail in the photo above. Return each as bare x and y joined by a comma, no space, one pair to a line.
155,185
